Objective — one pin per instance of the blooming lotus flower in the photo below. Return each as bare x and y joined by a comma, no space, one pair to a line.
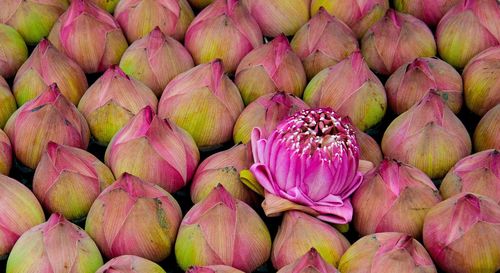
204,102
54,246
200,4
112,101
89,36
133,217
466,225
223,30
310,262
45,66
33,19
49,117
266,112
487,133
130,264
68,180
323,42
213,269
369,150
429,11
350,88
387,252
14,51
155,60
428,136
222,230
7,102
299,233
269,68
5,154
21,211
467,29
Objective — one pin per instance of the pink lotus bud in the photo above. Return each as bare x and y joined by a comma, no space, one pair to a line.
110,103
89,36
204,102
54,246
395,190
33,19
222,230
7,102
21,211
482,81
270,68
428,136
467,29
396,39
213,269
200,4
155,150
68,180
132,217
49,117
322,42
45,66
5,154
223,30
350,88
429,11
478,173
139,17
277,17
266,112
155,60
369,149
224,168
359,15
311,262
466,225
107,5
299,233
130,264
487,133
387,252
14,51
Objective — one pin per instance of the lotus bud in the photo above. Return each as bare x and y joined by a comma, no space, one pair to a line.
54,246
351,89
409,84
222,230
467,29
112,101
396,39
429,11
14,51
49,117
33,19
213,269
130,264
311,262
487,133
299,232
155,60
396,190
21,211
5,155
323,42
387,252
482,81
478,173
223,30
204,102
107,5
466,225
200,4
277,17
89,36
266,112
68,180
428,136
7,102
369,149
155,150
45,66
358,15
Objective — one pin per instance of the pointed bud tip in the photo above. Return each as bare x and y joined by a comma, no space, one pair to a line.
222,195
44,45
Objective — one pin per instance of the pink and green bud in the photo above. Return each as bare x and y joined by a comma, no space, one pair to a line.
130,264
487,133
68,180
466,225
14,51
429,11
49,117
204,102
155,60
428,136
369,150
7,102
311,262
213,269
5,154
351,89
112,101
200,4
45,66
223,30
387,252
88,35
322,42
